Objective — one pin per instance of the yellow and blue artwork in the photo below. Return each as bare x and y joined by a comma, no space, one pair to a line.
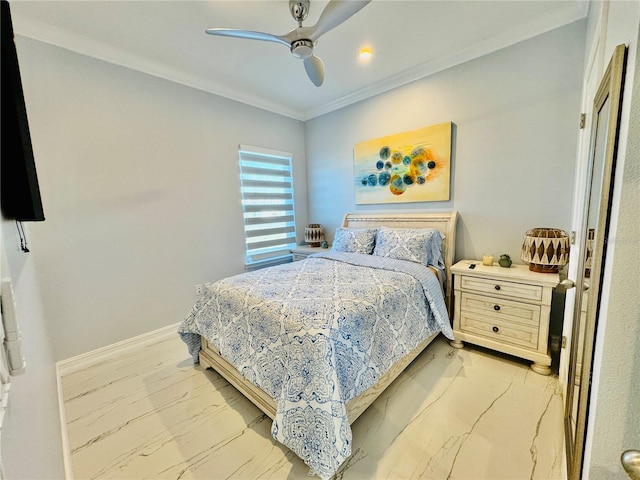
406,167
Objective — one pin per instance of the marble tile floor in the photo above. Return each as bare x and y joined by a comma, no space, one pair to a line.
452,414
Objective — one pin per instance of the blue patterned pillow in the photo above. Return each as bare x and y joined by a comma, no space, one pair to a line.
415,245
354,240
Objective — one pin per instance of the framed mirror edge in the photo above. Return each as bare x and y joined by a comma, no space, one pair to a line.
610,88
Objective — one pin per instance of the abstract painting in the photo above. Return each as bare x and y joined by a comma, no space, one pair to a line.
406,167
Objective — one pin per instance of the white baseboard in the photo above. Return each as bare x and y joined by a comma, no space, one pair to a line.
84,360
73,364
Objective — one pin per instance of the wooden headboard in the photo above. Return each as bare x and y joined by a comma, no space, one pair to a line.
445,222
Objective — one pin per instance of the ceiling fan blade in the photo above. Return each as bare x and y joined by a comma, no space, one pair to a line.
315,69
248,34
336,12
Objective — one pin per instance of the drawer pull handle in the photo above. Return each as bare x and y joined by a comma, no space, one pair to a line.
497,287
496,308
495,329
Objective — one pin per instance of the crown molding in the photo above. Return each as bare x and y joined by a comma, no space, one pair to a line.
58,37
46,33
480,49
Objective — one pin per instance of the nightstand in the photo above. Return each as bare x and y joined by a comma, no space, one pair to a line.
504,309
303,251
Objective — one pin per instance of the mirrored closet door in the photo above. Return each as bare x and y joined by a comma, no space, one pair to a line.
595,225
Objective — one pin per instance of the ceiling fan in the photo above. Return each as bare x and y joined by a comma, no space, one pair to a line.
302,40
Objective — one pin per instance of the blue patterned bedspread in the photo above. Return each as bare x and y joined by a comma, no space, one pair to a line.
316,333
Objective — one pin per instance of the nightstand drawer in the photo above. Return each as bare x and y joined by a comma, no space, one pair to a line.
501,309
498,329
521,291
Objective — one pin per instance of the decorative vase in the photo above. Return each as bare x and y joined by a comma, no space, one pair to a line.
505,261
314,234
545,249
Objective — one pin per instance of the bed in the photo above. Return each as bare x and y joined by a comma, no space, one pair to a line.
313,343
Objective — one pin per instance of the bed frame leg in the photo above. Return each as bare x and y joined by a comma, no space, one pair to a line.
203,363
456,344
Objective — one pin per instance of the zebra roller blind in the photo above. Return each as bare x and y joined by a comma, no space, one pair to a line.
267,205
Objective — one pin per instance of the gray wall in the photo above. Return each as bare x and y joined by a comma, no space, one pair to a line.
140,185
31,439
514,144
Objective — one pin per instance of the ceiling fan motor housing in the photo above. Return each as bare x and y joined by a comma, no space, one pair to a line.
302,48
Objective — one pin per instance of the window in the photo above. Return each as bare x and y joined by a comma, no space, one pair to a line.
267,205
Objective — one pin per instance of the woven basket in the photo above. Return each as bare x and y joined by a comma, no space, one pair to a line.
545,249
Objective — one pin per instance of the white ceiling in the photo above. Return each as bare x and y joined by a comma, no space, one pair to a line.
410,40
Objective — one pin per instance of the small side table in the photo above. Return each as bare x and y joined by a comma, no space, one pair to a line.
505,309
303,251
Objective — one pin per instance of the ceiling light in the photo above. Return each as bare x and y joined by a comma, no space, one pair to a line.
365,54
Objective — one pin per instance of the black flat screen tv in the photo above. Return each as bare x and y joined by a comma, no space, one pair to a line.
19,190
